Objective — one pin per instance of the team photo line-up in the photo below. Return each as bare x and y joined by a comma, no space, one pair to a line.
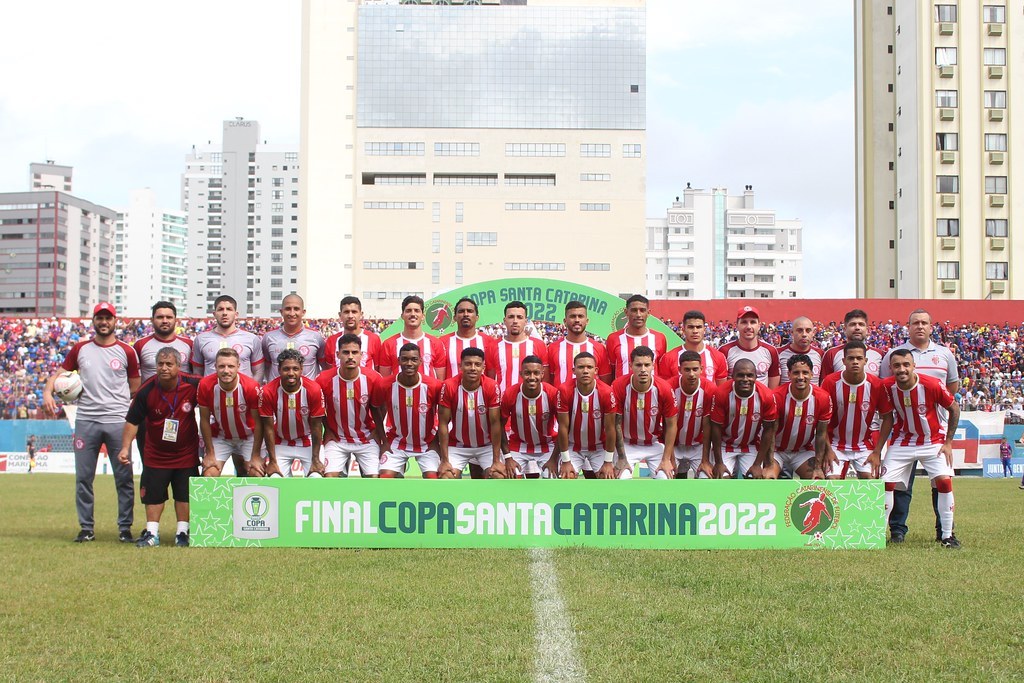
508,407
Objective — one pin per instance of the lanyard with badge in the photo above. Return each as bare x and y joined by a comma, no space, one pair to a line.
170,424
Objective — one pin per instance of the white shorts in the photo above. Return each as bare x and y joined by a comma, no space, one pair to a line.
460,456
337,455
898,464
394,461
226,448
737,464
650,455
588,461
789,461
858,461
287,455
688,458
530,463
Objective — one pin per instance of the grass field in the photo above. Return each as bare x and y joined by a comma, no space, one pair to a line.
106,611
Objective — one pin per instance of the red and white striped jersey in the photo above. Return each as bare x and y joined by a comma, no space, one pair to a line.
620,345
716,368
431,353
412,412
292,413
765,358
832,361
586,414
562,353
469,427
532,424
230,416
743,418
348,404
787,352
454,346
798,419
370,346
916,419
854,407
643,412
692,409
507,357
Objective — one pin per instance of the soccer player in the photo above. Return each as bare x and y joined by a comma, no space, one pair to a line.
645,418
858,399
586,423
431,349
529,409
855,328
920,435
292,410
293,334
351,418
742,424
166,409
716,369
109,370
350,312
465,336
695,398
801,438
802,344
508,352
634,334
229,418
563,350
469,427
749,345
409,399
227,334
165,322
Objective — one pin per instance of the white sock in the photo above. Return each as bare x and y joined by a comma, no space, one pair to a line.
888,506
946,513
153,528
182,528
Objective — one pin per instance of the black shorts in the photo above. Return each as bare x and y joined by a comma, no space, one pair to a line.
154,481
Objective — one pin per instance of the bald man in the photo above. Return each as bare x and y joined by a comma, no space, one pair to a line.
293,334
803,343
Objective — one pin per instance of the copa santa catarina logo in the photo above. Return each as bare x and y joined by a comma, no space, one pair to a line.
255,512
438,314
812,510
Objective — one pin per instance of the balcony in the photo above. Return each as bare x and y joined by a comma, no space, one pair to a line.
996,71
997,200
995,114
996,157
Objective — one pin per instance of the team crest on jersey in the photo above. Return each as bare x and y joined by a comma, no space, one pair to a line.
364,399
812,510
79,444
304,350
762,367
809,419
597,414
241,407
304,410
481,409
438,314
922,409
699,412
619,319
756,416
115,364
873,367
865,406
238,348
186,407
424,408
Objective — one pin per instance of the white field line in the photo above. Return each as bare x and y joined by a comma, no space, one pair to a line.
556,647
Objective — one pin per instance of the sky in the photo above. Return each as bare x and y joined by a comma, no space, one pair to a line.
744,92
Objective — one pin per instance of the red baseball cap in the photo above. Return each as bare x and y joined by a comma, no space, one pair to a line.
748,310
104,307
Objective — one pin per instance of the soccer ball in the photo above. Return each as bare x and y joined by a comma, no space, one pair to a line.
68,387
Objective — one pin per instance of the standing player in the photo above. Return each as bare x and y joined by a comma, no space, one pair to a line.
645,419
507,353
409,399
465,336
351,419
749,345
292,410
293,334
802,344
563,350
742,424
586,423
804,410
469,420
857,399
634,334
229,418
165,322
431,349
695,398
716,369
166,409
351,315
529,410
920,435
227,334
109,370
855,328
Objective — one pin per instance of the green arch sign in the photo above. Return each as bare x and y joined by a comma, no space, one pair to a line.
545,302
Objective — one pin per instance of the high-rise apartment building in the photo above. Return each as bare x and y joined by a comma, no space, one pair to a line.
242,201
50,176
449,143
149,255
938,201
713,245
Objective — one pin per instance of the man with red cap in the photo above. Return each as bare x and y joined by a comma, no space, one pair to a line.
765,357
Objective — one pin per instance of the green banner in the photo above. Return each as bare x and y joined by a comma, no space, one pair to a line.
545,302
690,514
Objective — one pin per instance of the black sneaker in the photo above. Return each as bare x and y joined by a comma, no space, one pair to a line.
951,542
897,538
125,536
181,540
147,539
85,536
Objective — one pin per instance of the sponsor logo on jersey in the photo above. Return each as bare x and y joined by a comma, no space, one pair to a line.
115,364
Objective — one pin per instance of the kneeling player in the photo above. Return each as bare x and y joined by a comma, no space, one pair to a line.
529,410
292,409
410,402
645,420
804,410
351,419
586,423
695,397
742,424
469,420
229,417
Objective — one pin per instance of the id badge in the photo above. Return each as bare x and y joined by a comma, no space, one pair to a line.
170,430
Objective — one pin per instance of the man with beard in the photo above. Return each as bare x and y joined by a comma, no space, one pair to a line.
563,351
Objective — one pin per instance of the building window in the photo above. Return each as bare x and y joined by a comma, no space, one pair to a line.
482,239
945,13
435,243
631,151
529,179
947,227
946,142
995,184
595,177
534,149
481,179
435,273
393,265
589,150
945,98
996,270
534,266
945,56
291,156
996,227
458,272
457,149
394,179
995,142
534,206
947,270
995,56
394,149
435,209
947,184
995,99
458,243
589,206
458,212
993,14
595,266
393,205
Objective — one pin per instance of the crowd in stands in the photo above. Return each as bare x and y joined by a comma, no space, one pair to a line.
991,356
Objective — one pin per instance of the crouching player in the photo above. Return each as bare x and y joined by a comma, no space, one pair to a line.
645,419
695,397
229,417
742,424
919,435
804,410
469,420
292,410
529,410
586,423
